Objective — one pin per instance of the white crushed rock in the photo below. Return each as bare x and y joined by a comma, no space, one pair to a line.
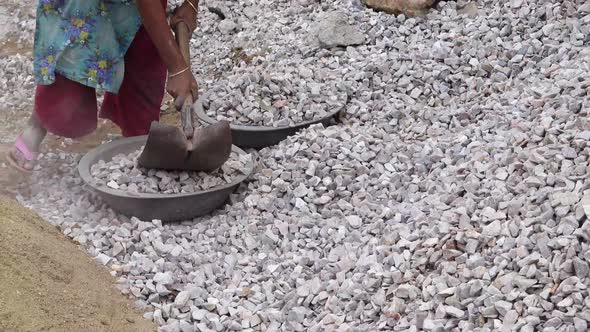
123,173
17,82
455,196
255,97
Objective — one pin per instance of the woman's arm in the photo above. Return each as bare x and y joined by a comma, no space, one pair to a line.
154,20
153,16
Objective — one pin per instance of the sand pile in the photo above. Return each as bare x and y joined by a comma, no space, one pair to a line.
47,283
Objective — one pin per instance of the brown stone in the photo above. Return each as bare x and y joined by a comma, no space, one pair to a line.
406,7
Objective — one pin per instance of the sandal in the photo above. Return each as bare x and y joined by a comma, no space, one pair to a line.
29,156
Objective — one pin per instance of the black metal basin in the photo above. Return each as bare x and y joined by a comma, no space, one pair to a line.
146,206
258,137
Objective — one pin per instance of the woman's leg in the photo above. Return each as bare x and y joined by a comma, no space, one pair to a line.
139,99
64,108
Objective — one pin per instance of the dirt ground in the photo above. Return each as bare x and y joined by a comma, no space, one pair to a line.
48,284
11,181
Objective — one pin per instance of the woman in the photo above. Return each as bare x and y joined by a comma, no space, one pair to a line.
123,47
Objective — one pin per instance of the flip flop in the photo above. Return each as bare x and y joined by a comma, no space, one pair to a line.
22,148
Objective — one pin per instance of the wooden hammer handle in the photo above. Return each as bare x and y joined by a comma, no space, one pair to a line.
183,38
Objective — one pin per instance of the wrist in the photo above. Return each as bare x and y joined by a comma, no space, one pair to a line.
177,65
178,73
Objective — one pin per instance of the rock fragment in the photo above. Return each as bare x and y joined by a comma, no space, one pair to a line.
227,26
335,31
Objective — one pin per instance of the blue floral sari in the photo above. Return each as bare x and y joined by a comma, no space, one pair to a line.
84,41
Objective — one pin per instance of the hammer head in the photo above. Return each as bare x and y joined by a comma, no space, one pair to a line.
168,148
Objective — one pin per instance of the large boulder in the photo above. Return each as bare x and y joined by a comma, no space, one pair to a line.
406,7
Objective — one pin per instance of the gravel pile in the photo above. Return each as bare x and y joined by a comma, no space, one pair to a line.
454,197
276,72
274,100
17,82
123,173
18,22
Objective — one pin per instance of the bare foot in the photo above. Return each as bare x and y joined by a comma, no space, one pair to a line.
18,160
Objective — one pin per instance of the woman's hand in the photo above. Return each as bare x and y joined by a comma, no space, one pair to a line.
182,86
187,14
